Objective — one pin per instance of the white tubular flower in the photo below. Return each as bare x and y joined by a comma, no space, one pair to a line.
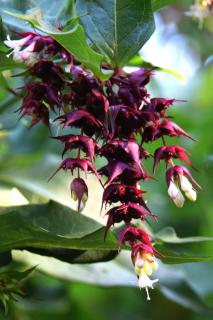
26,55
16,44
145,263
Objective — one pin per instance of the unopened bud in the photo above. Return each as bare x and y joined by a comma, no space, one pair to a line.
79,192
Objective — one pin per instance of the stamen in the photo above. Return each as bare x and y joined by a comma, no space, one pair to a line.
147,292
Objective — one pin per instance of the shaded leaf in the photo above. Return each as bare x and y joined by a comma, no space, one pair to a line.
169,235
54,226
181,250
117,28
5,258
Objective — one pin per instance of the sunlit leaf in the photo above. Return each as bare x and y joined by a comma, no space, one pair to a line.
138,61
181,250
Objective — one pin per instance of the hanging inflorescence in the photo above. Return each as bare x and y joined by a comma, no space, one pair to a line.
114,120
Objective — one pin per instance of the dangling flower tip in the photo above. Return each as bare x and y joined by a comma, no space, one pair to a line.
145,283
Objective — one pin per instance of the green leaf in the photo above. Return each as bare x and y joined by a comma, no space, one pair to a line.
158,4
138,61
117,28
181,250
73,41
51,226
169,235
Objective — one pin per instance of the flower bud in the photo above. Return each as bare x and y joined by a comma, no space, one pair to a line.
178,176
175,194
79,192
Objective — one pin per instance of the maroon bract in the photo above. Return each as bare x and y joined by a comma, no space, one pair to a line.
168,152
129,151
126,173
126,212
37,110
132,235
164,128
85,143
124,120
81,119
71,164
120,192
156,108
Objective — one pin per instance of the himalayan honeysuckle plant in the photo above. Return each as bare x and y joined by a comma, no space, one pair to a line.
103,111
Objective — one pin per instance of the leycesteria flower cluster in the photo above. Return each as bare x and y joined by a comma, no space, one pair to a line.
113,120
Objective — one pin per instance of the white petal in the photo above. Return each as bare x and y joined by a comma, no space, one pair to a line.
185,184
30,48
173,190
16,44
146,282
179,200
139,261
191,195
27,55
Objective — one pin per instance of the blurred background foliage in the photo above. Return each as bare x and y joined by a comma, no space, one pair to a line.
27,157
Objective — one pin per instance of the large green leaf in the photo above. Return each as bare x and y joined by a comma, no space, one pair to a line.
181,250
117,28
158,4
52,225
